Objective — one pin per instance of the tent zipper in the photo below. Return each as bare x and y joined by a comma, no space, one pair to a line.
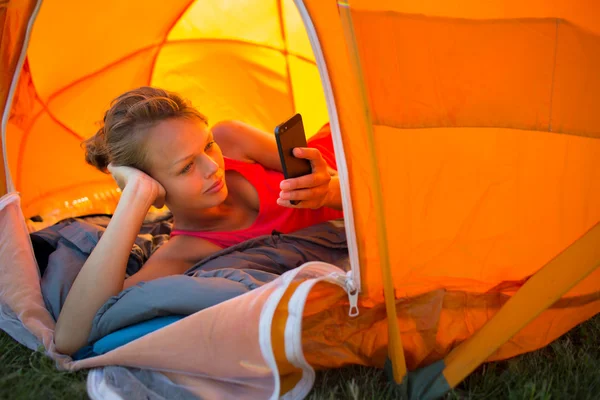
339,278
352,291
351,282
347,282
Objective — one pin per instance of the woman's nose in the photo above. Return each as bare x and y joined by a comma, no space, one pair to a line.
211,167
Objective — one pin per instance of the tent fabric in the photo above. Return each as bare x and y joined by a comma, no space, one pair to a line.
226,351
475,188
20,286
14,20
466,140
168,46
448,109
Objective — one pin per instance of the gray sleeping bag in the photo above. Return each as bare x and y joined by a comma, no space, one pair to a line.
222,276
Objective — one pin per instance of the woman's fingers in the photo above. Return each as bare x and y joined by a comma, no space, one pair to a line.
311,197
124,175
303,204
310,190
304,194
306,181
313,155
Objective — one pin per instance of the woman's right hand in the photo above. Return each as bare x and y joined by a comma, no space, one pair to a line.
126,175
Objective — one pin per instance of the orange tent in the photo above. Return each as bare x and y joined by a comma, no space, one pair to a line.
467,140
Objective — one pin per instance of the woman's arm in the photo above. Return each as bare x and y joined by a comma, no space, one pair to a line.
244,142
175,257
103,273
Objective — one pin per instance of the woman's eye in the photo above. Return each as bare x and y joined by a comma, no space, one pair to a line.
209,146
187,168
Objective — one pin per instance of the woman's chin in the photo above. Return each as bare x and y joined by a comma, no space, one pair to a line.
220,196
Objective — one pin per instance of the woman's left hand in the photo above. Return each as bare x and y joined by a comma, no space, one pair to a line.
313,190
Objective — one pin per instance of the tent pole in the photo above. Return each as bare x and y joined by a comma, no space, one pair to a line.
541,291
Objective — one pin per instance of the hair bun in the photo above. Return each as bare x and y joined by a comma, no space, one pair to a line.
96,151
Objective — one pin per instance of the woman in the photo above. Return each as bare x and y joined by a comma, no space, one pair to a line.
223,185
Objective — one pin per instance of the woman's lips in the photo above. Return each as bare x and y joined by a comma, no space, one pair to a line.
216,187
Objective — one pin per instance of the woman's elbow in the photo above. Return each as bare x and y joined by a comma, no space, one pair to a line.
65,341
228,137
225,130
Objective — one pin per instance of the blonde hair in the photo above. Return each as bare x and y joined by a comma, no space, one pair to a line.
121,138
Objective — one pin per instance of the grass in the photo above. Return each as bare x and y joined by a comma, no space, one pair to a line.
25,374
569,368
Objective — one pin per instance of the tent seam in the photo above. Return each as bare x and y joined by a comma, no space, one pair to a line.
25,138
591,135
98,71
165,39
170,42
288,71
52,97
22,147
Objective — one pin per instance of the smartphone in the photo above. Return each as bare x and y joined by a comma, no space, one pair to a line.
290,135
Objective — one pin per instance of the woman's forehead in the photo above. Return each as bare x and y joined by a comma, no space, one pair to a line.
174,139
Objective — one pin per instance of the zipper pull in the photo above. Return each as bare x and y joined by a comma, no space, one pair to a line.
352,295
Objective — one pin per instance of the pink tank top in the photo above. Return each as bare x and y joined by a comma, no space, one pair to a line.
271,216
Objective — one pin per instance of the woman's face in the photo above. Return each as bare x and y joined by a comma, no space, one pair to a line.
184,158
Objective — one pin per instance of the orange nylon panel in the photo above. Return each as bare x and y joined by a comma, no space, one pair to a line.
67,46
471,205
75,114
14,17
41,151
308,94
577,82
584,13
81,106
9,43
436,72
254,22
526,73
253,74
25,110
295,32
442,72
